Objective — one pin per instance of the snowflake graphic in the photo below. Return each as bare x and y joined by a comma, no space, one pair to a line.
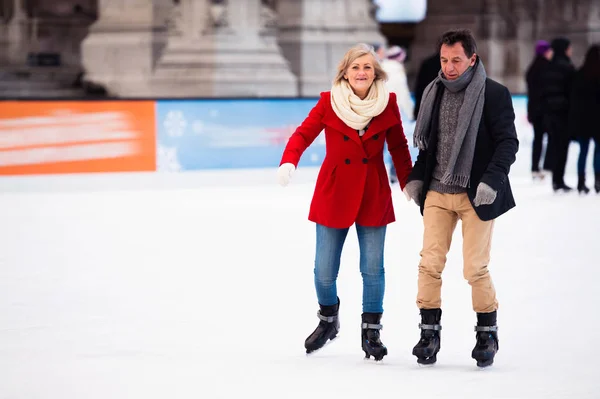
167,160
175,123
198,127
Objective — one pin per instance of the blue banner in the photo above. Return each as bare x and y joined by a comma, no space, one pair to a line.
222,134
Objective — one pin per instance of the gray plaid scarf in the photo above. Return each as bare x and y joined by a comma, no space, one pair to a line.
469,117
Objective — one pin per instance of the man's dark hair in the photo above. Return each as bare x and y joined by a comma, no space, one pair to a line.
462,36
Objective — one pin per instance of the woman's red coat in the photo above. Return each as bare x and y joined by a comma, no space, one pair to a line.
352,186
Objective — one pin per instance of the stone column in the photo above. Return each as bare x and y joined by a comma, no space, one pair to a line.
4,43
121,48
226,60
244,19
195,18
13,36
527,33
491,36
315,34
594,22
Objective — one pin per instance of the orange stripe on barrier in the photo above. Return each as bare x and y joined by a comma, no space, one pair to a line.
42,137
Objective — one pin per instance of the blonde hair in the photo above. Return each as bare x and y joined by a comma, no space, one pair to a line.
351,55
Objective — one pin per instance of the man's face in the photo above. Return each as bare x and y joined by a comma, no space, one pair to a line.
454,60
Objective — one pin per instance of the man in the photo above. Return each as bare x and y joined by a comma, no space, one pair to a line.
557,81
467,142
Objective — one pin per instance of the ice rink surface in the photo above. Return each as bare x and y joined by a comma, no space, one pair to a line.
200,285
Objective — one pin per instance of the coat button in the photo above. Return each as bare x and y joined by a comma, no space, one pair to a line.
347,161
365,160
346,138
376,136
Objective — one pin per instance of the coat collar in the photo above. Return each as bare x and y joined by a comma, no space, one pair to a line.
332,120
381,122
378,124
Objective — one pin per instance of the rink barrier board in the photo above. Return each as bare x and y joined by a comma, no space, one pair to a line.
58,137
167,135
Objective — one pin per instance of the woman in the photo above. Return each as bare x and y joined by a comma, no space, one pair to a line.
583,116
358,116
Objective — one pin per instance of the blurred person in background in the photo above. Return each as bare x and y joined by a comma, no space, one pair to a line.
535,112
467,142
380,49
556,82
584,114
358,115
397,83
429,69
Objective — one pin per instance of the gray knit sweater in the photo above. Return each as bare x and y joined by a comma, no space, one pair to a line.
448,120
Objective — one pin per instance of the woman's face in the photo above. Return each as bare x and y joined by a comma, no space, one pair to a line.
361,74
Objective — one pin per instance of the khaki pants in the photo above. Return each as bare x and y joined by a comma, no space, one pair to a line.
441,213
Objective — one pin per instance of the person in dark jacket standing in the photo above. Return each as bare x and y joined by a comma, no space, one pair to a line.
556,81
467,143
535,111
427,72
583,115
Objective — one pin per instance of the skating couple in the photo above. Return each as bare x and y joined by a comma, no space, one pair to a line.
467,142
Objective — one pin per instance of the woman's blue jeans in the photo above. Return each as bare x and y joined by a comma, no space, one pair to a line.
371,242
584,145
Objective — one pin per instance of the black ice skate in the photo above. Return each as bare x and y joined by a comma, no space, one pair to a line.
561,187
487,339
327,330
430,343
581,187
371,342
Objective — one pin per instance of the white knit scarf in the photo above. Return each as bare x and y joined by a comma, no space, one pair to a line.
355,112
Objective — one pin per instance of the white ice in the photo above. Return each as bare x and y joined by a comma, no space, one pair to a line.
200,285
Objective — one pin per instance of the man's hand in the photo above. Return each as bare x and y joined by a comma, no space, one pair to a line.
485,195
412,190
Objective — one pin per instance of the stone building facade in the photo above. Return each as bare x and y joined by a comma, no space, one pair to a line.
506,31
258,48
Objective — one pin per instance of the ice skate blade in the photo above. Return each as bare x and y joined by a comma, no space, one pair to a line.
427,361
485,364
312,352
538,176
376,359
562,191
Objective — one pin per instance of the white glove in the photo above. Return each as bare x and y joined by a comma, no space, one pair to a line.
284,173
